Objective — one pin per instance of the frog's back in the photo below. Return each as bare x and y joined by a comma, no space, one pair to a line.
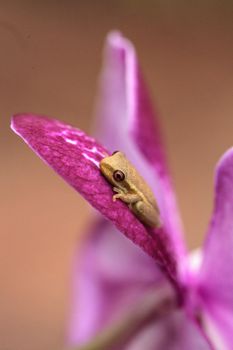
144,188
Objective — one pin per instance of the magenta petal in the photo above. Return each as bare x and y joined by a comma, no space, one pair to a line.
76,156
175,332
126,122
216,277
110,276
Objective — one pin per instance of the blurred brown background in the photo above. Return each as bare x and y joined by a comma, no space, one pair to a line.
49,63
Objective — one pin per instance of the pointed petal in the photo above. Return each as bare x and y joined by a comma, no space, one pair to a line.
216,278
76,156
110,276
126,122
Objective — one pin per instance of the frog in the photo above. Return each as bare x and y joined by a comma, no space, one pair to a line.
131,188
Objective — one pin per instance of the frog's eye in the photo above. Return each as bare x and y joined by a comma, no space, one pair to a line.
114,152
118,175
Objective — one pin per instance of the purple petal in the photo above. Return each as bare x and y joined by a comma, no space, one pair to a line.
110,276
126,122
215,277
175,332
76,156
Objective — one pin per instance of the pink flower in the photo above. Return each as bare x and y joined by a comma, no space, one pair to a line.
158,297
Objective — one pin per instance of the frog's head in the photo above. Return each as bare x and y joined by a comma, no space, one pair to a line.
115,169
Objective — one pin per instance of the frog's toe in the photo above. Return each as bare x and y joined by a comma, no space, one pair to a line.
116,196
116,189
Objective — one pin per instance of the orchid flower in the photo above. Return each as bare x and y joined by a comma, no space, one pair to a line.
137,287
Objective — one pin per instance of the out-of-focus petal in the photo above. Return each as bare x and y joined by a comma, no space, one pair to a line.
215,280
175,332
126,122
110,276
76,156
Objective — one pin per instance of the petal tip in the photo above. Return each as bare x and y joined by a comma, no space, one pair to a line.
13,123
225,163
228,155
16,121
116,40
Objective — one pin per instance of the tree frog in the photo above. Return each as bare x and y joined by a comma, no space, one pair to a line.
131,188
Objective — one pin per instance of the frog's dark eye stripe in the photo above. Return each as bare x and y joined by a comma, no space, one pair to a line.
114,152
118,175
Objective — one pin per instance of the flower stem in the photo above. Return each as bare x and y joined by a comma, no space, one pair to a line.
154,306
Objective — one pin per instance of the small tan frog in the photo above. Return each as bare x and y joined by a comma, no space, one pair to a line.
131,188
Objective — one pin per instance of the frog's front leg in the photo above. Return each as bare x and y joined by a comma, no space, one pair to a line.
146,213
129,198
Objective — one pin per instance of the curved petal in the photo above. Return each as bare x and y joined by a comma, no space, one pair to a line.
126,122
215,277
76,156
110,276
175,332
